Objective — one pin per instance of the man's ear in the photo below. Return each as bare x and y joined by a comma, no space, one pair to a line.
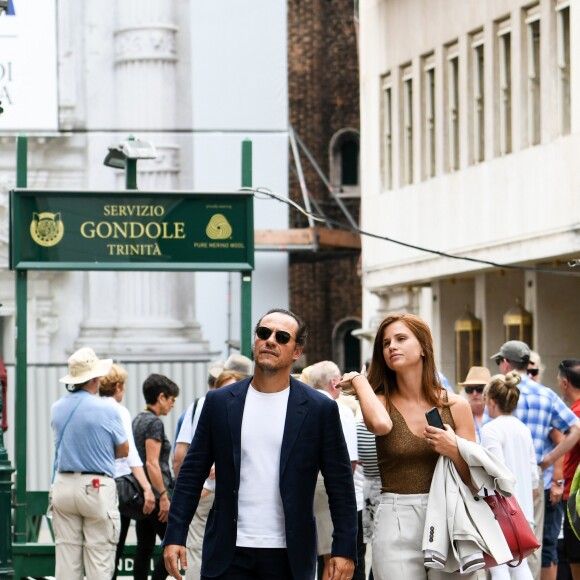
297,351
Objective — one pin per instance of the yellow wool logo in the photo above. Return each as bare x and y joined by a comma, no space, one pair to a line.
46,228
218,227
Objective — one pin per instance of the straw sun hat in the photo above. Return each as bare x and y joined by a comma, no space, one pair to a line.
477,376
84,365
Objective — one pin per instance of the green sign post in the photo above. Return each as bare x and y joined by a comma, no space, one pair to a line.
128,230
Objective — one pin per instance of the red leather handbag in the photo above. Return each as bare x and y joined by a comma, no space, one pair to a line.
515,527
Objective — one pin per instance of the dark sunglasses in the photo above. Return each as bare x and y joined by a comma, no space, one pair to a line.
499,359
533,372
470,390
282,337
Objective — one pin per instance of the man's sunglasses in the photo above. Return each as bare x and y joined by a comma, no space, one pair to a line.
471,390
282,337
499,359
533,372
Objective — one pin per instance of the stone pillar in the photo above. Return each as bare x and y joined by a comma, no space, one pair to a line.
133,315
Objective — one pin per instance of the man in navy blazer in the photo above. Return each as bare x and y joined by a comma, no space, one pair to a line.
269,436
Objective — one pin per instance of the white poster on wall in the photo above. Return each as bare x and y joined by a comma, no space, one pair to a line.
28,66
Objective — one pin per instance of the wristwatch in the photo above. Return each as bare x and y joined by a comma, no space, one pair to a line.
560,482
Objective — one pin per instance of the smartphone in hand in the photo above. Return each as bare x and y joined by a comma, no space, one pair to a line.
434,418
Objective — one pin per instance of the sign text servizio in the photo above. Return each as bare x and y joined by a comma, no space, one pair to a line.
131,230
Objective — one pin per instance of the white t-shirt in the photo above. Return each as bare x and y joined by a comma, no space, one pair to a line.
511,442
123,464
348,422
189,423
187,431
260,511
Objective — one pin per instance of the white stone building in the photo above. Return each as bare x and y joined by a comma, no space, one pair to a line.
470,135
193,77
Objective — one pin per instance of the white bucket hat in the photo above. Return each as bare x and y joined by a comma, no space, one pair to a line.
84,365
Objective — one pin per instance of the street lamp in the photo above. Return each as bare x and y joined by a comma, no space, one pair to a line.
124,155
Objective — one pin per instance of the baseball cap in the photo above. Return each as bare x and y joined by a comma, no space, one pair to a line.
515,351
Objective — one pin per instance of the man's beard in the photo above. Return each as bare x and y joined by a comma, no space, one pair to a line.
268,367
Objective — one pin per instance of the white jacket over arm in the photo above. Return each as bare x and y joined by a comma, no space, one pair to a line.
459,525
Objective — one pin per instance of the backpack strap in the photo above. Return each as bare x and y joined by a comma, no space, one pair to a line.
194,408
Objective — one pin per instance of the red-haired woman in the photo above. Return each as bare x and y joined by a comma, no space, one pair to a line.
402,385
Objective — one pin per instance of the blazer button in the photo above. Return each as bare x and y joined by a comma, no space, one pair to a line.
235,521
476,497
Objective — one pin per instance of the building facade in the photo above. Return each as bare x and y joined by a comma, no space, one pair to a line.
196,79
470,127
323,85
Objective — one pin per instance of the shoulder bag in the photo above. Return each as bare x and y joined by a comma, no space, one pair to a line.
132,498
515,527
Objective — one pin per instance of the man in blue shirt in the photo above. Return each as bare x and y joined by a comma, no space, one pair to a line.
88,436
541,410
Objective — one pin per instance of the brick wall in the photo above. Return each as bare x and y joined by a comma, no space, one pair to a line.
324,98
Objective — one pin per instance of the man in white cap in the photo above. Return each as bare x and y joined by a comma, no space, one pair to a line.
541,410
88,436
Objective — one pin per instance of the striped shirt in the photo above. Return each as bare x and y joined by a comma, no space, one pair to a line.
367,450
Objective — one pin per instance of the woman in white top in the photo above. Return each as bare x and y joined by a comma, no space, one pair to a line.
112,390
511,441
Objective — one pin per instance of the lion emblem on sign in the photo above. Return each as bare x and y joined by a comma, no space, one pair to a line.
46,228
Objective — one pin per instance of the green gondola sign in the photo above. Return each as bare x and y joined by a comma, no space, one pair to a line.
131,230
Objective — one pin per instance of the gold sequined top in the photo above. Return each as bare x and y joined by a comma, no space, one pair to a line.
407,462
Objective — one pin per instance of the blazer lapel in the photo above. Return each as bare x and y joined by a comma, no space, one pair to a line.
235,409
295,415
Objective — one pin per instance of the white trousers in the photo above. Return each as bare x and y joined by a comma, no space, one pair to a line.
397,543
535,559
195,537
504,572
86,525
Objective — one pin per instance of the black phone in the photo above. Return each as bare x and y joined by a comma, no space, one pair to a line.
434,418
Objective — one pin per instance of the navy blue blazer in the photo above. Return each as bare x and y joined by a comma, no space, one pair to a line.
313,441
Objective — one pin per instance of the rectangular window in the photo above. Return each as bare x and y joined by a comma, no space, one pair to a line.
534,75
429,115
452,105
387,112
478,96
563,36
505,87
407,152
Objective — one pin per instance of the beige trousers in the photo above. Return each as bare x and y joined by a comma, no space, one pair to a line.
397,550
195,537
324,527
86,525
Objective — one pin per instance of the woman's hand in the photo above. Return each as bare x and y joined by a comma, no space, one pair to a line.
164,505
149,504
442,441
347,381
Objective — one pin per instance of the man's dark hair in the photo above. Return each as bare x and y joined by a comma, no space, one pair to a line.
570,369
301,333
155,384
